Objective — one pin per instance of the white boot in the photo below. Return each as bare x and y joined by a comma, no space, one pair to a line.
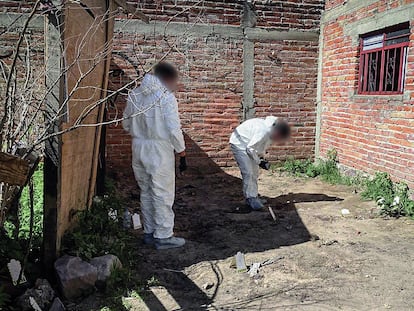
172,242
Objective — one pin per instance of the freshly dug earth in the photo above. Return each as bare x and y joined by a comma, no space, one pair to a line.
320,258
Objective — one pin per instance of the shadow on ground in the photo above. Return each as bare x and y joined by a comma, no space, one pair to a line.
204,216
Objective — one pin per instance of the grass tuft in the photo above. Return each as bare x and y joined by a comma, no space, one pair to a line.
393,199
96,234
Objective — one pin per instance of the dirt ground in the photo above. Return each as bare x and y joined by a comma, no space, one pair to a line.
319,258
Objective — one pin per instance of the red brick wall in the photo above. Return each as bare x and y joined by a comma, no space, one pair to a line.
30,74
292,14
277,14
285,86
212,12
211,93
209,97
370,133
17,6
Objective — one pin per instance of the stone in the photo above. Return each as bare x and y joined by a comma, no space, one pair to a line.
105,265
45,290
76,277
254,269
40,295
208,285
57,305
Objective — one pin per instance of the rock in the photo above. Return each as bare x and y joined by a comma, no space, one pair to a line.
105,264
57,305
254,269
314,237
76,277
330,242
43,287
42,295
208,285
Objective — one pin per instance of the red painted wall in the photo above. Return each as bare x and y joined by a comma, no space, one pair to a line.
211,92
370,133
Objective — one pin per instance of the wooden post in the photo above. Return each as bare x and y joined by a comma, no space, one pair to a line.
80,35
109,29
52,159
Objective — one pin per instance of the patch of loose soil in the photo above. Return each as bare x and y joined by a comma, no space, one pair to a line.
322,260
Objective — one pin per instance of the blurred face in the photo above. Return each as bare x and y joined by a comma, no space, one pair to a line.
275,136
171,84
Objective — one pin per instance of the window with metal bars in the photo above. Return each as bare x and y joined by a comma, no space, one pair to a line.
383,60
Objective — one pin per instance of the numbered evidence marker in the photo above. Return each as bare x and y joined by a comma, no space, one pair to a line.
240,262
15,267
113,214
136,221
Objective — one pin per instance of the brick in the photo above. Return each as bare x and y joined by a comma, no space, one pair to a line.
210,94
370,133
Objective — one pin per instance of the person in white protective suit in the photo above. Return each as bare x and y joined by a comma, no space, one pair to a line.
151,117
249,143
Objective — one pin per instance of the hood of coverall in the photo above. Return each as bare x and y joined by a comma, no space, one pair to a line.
269,121
151,84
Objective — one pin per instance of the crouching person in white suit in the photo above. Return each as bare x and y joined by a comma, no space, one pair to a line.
249,143
151,117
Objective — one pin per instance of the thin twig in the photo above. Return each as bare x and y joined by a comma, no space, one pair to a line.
16,55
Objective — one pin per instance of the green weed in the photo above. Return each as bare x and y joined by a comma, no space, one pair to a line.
96,232
153,281
327,169
24,211
297,167
38,207
392,198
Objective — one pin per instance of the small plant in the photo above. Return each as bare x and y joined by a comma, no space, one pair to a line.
24,211
380,187
392,198
97,233
100,231
153,281
327,169
297,167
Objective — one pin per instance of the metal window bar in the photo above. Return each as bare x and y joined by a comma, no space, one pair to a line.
385,59
403,65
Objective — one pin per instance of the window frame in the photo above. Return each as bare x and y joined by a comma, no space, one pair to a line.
364,55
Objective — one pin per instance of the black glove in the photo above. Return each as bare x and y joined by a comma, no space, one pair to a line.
264,164
183,164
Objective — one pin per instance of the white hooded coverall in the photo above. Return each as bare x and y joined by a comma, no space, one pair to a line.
249,142
152,120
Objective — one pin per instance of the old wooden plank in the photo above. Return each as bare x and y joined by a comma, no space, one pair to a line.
13,170
51,161
84,39
109,29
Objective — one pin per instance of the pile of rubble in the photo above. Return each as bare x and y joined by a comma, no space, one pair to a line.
76,278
